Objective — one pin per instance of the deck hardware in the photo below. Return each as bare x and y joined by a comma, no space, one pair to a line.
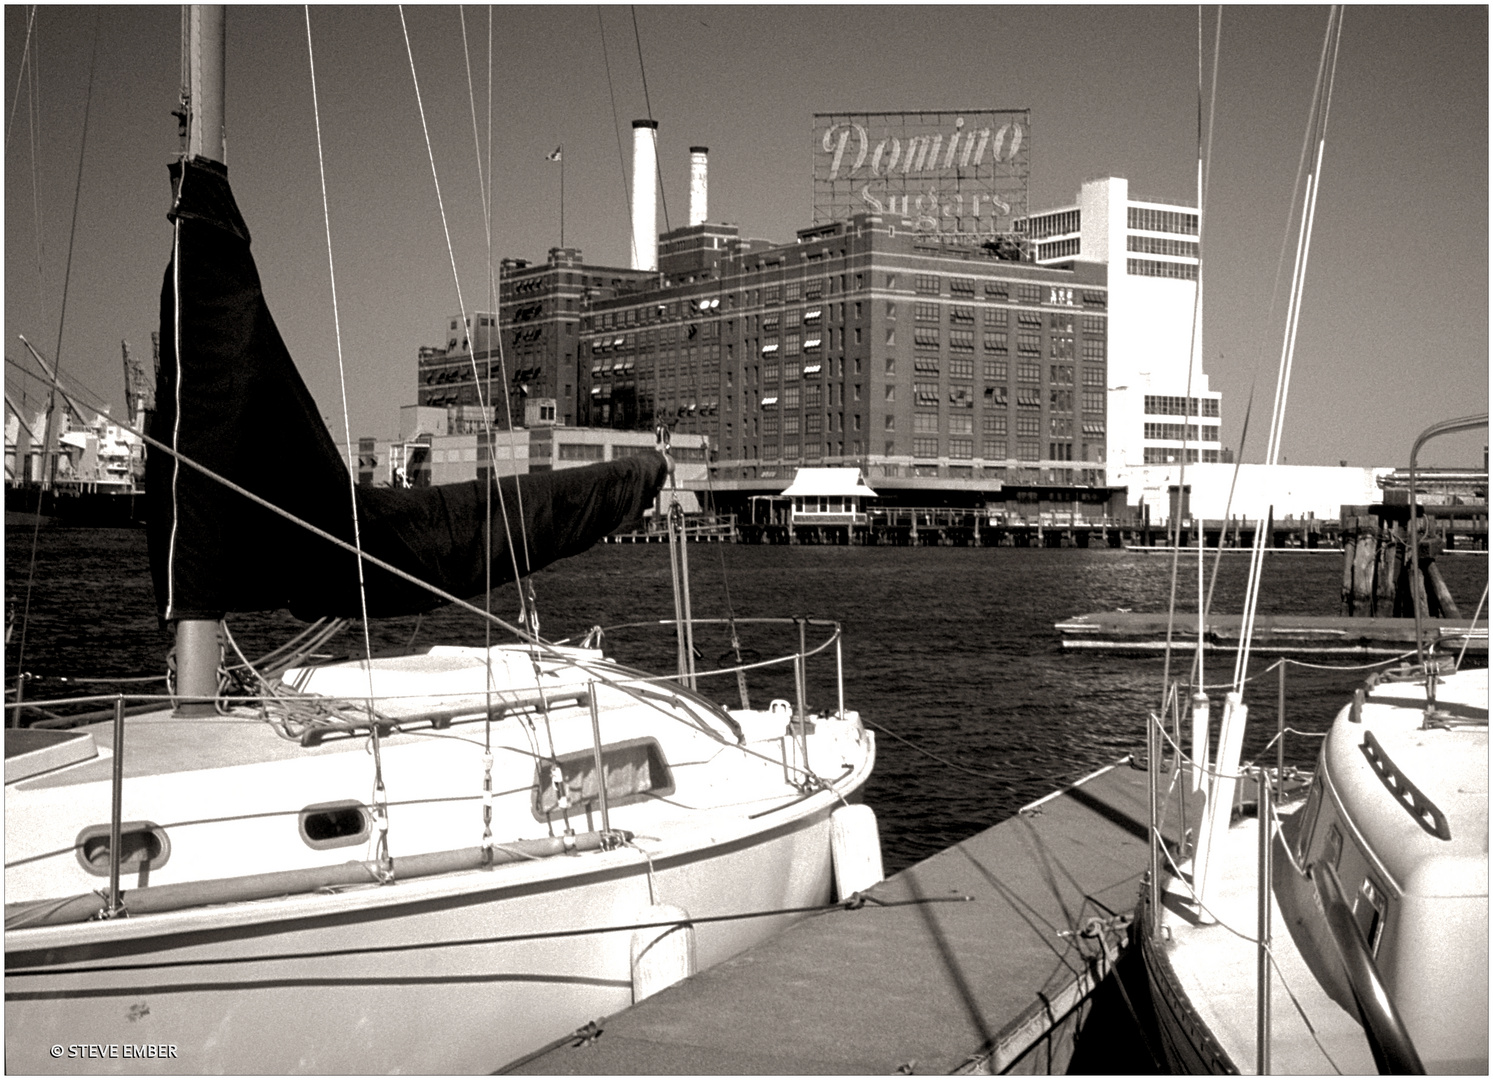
1426,813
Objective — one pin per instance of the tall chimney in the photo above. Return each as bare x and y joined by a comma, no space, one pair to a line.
698,160
644,194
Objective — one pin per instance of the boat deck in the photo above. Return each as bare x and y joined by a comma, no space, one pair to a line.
973,960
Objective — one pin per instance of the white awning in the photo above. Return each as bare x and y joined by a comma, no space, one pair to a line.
817,481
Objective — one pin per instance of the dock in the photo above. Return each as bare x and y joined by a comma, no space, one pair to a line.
982,958
1323,635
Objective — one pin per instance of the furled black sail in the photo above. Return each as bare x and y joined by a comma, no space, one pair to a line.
229,397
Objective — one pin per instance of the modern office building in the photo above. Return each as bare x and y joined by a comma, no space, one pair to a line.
1151,252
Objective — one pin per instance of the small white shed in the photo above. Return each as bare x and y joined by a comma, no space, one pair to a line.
828,497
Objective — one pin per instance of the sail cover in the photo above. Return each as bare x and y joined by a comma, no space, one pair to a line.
229,397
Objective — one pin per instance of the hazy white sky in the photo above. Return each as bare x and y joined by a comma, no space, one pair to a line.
1394,334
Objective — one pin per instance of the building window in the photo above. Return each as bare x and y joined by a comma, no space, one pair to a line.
813,396
996,316
925,312
1029,399
1060,401
962,286
1060,374
925,448
961,448
962,341
891,309
925,423
891,392
994,423
1028,293
995,343
1028,426
1095,298
1028,450
891,335
772,294
790,397
1029,344
925,394
1060,451
1093,350
995,449
1058,249
891,281
1093,401
996,395
891,424
1054,224
926,364
891,365
1168,221
1060,348
790,451
770,424
790,424
1060,426
1153,245
995,371
999,290
926,284
1167,405
813,423
961,423
792,290
1152,268
961,369
1028,372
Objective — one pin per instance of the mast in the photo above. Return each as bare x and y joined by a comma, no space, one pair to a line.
201,116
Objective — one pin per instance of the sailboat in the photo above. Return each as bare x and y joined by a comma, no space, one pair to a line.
1340,926
436,862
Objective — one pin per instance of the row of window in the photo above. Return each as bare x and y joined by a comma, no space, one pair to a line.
1169,455
1176,432
1155,245
1151,268
1169,221
1058,249
1167,405
1058,224
993,449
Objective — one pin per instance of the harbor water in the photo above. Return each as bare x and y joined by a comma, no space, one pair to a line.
949,653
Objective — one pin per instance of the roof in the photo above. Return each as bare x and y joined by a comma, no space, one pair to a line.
829,482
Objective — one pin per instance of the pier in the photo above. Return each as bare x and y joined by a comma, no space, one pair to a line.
982,958
1458,529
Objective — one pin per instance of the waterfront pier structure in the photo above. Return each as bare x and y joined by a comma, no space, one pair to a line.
982,958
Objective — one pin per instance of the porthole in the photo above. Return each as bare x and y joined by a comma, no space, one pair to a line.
335,824
143,846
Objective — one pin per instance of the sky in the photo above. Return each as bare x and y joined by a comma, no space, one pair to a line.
1393,333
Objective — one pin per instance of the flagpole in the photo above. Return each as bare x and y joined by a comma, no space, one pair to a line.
562,195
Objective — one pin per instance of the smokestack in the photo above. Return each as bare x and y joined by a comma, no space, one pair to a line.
698,161
644,194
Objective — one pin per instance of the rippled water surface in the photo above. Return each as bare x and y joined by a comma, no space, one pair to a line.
950,652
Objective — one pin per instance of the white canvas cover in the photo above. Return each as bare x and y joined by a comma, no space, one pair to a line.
817,481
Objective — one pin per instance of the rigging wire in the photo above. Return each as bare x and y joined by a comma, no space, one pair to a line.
648,105
1205,151
21,76
380,800
616,128
1317,131
56,373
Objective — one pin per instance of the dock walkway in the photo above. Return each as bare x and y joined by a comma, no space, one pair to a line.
975,960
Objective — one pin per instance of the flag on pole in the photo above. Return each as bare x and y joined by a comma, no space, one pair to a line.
553,157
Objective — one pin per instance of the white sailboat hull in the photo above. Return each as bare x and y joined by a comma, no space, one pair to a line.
453,974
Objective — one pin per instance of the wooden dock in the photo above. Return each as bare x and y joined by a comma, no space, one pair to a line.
1326,635
979,959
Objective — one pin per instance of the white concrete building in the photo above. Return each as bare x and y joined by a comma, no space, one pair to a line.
1151,251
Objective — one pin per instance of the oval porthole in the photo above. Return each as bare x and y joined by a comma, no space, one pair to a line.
335,824
143,846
